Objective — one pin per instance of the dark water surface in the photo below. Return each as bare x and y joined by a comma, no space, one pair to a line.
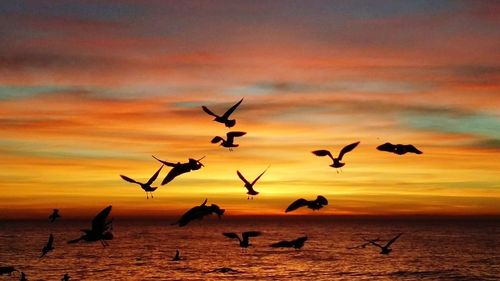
142,250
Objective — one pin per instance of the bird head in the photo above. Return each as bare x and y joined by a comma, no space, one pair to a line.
230,123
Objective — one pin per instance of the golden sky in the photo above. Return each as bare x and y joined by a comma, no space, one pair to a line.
89,91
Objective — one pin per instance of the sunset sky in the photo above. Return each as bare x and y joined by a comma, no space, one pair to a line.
90,90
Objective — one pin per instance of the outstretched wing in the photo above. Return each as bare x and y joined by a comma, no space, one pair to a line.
346,149
296,204
393,240
170,164
411,148
216,139
389,147
231,235
208,111
99,224
232,135
257,178
282,244
322,153
51,241
153,178
321,200
174,172
129,179
250,234
230,111
242,177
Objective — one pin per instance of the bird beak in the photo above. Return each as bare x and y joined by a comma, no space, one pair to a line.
200,160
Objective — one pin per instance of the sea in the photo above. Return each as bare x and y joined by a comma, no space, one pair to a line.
428,249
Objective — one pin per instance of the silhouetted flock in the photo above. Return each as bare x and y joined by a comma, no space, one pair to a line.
101,227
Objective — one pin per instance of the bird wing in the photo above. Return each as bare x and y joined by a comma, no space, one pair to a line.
251,234
129,179
154,177
242,177
216,139
321,200
282,244
231,135
257,178
231,235
296,204
75,240
393,240
411,148
209,112
174,172
99,224
346,149
51,241
170,164
375,243
230,110
322,152
389,147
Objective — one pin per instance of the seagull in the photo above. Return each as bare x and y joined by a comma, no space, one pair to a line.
249,186
7,270
229,141
54,215
100,231
399,149
316,204
146,186
23,277
244,243
336,161
297,243
199,212
385,250
66,277
224,118
49,247
368,242
177,256
180,168
225,270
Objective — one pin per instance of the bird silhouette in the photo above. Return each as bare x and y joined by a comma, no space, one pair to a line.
177,256
23,277
362,246
244,243
229,141
145,186
225,270
399,149
336,161
7,270
65,277
225,117
180,168
100,231
385,250
49,246
316,204
54,215
198,212
249,186
297,243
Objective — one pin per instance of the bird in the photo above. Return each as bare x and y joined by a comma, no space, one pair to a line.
336,161
180,168
385,250
198,212
362,246
145,186
23,277
100,231
54,215
177,256
399,149
65,277
225,117
297,243
225,270
7,270
244,243
316,204
249,186
49,246
229,141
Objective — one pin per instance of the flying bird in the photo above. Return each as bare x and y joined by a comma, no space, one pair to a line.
49,246
145,186
198,212
297,243
385,250
399,149
229,141
7,270
180,168
244,243
66,277
316,204
225,117
54,215
249,186
336,161
177,256
100,231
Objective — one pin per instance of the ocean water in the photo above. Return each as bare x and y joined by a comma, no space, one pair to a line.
142,250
